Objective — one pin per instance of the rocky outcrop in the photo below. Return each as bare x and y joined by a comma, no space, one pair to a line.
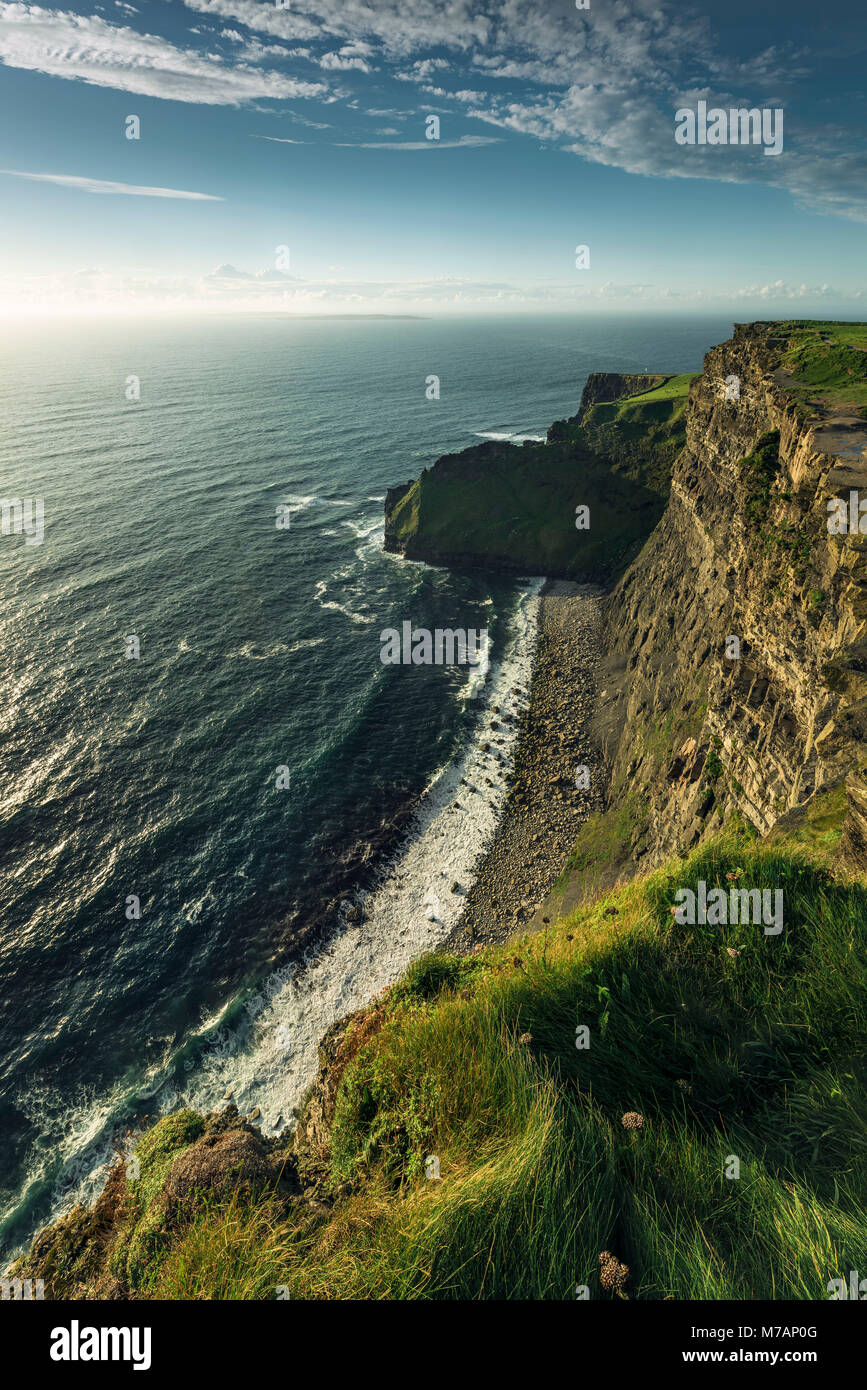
853,846
513,508
218,1164
336,1050
394,494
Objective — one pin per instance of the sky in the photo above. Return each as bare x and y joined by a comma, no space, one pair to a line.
284,159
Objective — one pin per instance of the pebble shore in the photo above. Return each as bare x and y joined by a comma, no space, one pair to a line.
545,808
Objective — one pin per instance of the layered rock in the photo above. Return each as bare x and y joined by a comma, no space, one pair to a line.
692,722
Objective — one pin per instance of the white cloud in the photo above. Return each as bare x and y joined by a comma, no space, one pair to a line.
609,81
422,70
465,142
779,289
135,190
89,49
344,62
604,84
253,50
228,288
398,28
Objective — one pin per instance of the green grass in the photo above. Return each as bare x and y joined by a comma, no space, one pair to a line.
516,506
641,435
830,359
731,1045
673,388
759,471
538,1175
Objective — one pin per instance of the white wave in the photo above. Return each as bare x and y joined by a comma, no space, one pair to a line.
411,909
370,531
319,595
365,527
304,643
508,437
252,651
301,504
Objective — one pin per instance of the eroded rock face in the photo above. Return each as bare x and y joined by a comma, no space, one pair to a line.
853,846
690,729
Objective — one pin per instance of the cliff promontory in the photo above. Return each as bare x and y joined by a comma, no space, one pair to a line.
578,506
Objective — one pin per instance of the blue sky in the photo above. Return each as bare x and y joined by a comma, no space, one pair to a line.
304,125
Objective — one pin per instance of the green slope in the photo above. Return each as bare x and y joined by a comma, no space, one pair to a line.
515,507
724,1042
829,361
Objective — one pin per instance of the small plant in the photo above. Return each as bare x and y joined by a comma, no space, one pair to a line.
713,768
429,976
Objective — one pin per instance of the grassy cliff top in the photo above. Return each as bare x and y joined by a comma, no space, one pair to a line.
673,388
705,1134
829,359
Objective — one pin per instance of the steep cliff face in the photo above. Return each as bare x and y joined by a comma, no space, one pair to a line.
735,674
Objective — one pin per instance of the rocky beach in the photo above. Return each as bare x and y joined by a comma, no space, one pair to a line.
546,806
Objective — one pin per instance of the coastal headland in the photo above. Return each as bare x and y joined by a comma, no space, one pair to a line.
587,1095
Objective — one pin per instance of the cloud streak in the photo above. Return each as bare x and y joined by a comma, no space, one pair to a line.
132,190
465,142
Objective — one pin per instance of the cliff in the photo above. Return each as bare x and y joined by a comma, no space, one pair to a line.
460,1141
603,387
734,679
736,660
513,508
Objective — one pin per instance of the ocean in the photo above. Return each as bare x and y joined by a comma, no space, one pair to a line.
202,754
